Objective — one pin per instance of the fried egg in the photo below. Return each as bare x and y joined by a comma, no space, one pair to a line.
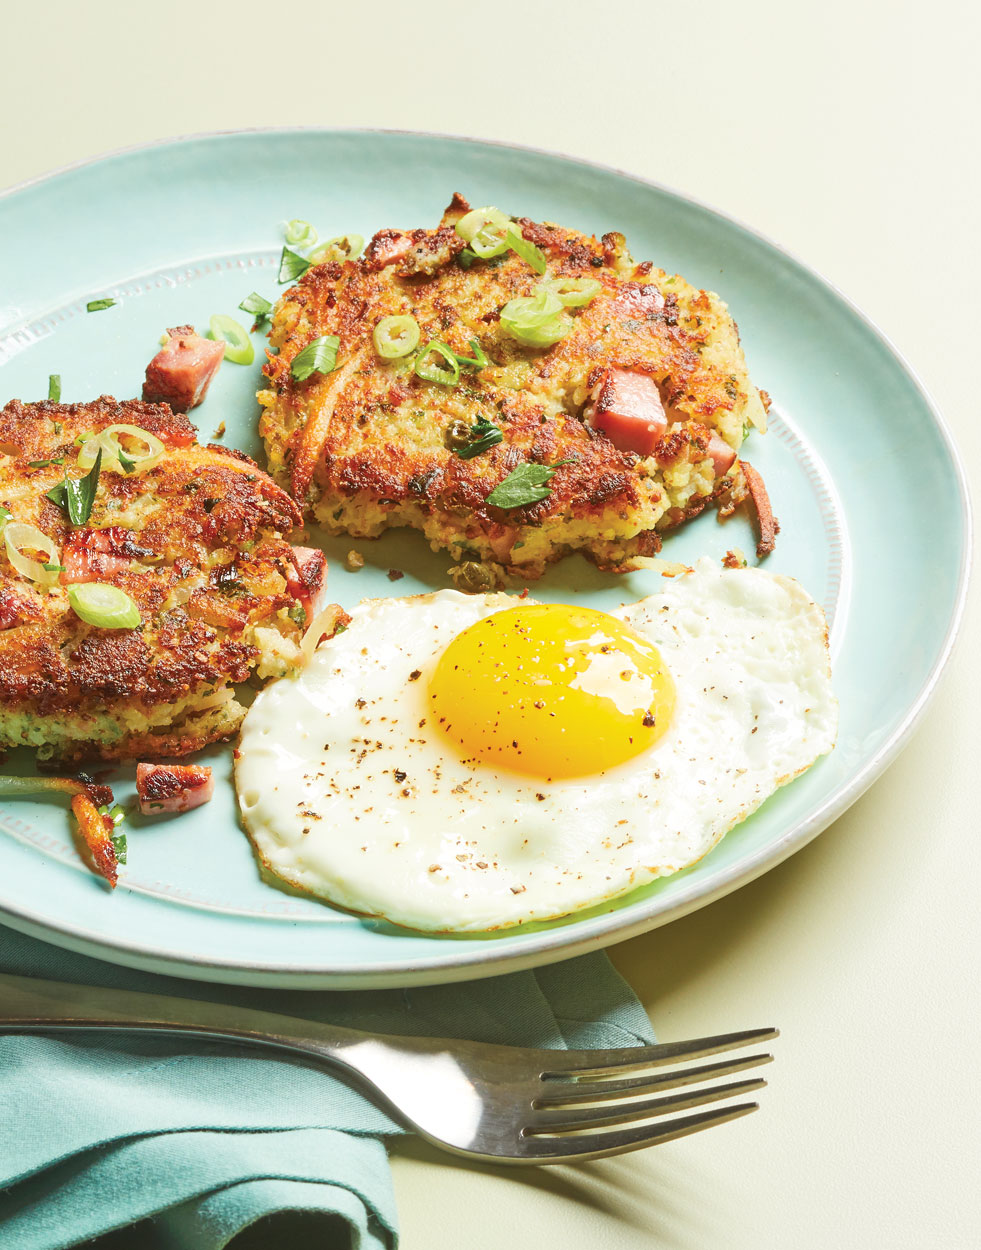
461,763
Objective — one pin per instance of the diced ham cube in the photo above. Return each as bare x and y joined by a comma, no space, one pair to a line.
172,787
386,248
627,408
180,374
307,579
99,555
722,455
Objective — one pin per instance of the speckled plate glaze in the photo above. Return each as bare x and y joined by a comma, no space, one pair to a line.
182,229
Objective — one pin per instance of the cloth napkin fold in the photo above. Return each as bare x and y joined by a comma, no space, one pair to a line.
188,1143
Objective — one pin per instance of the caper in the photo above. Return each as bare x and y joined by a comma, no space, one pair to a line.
473,578
457,435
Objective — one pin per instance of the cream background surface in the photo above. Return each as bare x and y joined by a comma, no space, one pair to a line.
849,133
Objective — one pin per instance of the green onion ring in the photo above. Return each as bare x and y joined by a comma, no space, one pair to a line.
16,538
238,345
105,606
108,441
396,336
434,373
485,229
472,223
537,320
300,233
574,292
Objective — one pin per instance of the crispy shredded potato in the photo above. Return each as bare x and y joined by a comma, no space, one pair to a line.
371,445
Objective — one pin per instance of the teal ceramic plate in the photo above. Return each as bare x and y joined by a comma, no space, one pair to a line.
179,230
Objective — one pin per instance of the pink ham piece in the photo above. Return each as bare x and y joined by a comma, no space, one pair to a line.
307,579
722,455
386,248
627,408
99,555
180,374
172,787
767,524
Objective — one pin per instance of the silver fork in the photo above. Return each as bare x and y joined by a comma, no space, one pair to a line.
505,1104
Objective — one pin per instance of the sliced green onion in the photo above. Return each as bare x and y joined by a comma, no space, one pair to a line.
104,606
292,266
238,345
529,252
574,292
485,230
43,464
300,233
396,336
344,247
18,538
448,376
54,387
537,320
5,516
528,311
477,361
319,356
115,454
118,841
20,787
97,305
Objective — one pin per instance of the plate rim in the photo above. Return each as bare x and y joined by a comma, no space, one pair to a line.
609,928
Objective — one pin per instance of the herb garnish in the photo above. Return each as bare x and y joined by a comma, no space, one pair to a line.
43,464
5,515
97,305
76,495
528,483
292,266
477,361
54,387
259,307
466,258
319,356
484,435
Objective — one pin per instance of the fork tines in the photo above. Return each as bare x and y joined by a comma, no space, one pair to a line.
578,1095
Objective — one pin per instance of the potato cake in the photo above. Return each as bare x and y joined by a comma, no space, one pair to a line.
623,428
177,551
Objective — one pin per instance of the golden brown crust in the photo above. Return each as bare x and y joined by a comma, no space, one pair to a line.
363,447
197,542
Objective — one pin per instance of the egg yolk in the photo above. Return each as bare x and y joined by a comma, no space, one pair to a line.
551,690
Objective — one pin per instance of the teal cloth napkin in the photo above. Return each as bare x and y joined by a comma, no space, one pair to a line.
188,1144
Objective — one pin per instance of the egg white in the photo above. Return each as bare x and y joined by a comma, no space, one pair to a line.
349,793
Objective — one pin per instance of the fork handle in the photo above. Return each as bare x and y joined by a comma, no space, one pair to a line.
34,1006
